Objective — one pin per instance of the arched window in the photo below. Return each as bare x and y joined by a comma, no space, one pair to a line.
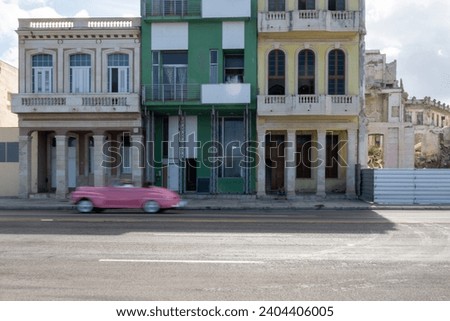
306,4
42,73
306,72
336,72
276,73
336,5
118,73
80,73
277,5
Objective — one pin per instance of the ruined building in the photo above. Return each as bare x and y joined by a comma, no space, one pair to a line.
390,134
402,132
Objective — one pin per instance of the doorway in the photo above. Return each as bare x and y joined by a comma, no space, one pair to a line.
275,164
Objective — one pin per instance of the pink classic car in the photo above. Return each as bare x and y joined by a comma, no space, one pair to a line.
150,199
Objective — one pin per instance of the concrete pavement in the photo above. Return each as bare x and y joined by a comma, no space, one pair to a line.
228,202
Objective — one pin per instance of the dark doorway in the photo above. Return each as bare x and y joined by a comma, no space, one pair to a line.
191,175
275,163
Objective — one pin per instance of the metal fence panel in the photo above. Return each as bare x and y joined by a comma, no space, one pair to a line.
405,186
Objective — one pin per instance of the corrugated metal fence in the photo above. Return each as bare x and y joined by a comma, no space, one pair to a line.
406,186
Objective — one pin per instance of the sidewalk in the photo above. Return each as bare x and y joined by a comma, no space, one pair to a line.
231,202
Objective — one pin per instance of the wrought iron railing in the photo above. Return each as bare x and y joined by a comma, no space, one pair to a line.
171,92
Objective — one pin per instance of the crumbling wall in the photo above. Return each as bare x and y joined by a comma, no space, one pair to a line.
432,149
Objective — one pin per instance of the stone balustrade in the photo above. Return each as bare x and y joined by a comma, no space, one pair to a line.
69,103
79,23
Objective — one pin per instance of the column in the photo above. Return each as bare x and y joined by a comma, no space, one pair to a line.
137,155
321,162
261,170
99,167
290,159
351,162
61,166
24,166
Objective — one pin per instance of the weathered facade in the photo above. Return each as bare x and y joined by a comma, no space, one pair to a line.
199,94
310,118
431,121
390,133
79,83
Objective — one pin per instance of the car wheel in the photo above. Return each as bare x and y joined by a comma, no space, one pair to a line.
151,207
85,206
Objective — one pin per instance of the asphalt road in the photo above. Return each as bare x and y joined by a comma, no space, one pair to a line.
305,255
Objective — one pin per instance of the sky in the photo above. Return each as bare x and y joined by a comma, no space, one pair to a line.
416,33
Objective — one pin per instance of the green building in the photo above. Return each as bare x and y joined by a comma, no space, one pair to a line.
199,89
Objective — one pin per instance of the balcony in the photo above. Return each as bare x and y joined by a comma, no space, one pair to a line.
167,93
312,105
76,103
309,20
226,94
176,9
180,9
35,24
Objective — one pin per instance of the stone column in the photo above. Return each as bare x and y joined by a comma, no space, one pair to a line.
61,166
99,166
137,156
351,162
24,166
261,170
321,162
290,160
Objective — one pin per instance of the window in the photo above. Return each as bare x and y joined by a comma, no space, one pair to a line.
306,5
213,67
419,118
42,73
304,146
234,68
306,72
276,72
336,5
277,5
118,73
231,136
169,7
336,72
80,73
170,75
9,152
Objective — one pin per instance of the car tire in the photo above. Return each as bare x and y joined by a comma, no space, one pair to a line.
151,207
85,206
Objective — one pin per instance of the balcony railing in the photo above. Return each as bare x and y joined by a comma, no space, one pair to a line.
172,8
79,23
300,105
313,20
235,93
69,103
170,93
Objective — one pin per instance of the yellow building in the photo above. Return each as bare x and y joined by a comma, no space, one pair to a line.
9,132
311,95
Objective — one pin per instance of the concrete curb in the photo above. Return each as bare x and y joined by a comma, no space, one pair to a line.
54,205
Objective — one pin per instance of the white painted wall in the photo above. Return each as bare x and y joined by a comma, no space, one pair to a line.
226,9
170,36
233,35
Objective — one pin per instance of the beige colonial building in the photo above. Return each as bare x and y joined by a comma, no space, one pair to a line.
9,132
310,119
390,133
78,103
